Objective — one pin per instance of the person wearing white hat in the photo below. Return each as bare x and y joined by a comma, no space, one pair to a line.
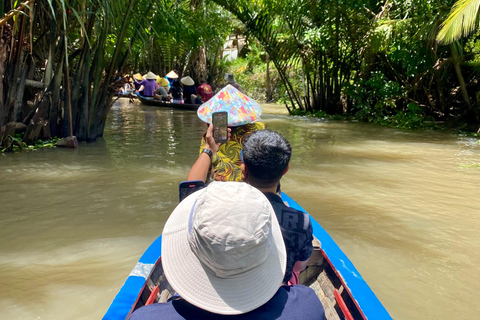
227,261
189,90
149,85
265,159
171,76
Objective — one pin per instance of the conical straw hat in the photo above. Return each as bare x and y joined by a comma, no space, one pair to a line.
172,75
187,81
241,109
162,82
151,76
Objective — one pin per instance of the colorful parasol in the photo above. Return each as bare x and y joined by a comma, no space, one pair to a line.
241,109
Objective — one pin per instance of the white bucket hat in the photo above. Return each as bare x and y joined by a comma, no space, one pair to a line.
223,250
187,81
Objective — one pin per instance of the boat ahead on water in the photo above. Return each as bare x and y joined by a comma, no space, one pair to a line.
159,103
339,286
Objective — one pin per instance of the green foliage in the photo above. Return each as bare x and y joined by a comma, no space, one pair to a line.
316,114
476,165
252,78
384,63
251,73
460,22
412,118
375,97
376,61
376,101
15,144
176,34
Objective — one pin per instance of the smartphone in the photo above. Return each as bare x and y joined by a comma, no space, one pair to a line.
220,126
185,188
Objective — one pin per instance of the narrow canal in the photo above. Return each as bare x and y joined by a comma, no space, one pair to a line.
403,205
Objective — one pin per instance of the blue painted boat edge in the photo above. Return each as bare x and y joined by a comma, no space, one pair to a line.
367,300
361,292
128,294
143,97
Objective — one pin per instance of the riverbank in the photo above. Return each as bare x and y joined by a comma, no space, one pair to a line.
274,108
401,120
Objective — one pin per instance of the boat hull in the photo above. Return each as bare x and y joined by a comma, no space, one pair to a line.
334,278
159,103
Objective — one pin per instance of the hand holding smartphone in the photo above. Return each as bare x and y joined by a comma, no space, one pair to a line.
186,188
220,126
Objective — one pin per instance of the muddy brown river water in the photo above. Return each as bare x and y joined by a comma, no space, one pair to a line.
403,205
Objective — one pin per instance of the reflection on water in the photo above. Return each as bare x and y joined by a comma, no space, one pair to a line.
403,205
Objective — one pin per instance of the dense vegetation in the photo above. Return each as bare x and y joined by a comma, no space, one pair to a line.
62,62
378,61
387,62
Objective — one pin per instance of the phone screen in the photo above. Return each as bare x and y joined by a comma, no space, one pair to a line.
186,188
220,126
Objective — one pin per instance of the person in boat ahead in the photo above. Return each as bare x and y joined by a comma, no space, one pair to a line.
149,84
265,157
171,76
162,91
176,91
189,91
137,78
223,253
230,78
243,118
204,91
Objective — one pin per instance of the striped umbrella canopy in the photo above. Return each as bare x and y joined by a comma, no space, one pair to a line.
240,108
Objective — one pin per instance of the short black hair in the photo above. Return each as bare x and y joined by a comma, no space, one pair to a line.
266,155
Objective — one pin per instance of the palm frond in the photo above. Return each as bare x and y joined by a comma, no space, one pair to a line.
460,22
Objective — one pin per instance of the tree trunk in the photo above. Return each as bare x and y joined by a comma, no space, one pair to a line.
51,49
17,115
438,80
3,58
267,81
461,80
55,115
15,69
82,133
